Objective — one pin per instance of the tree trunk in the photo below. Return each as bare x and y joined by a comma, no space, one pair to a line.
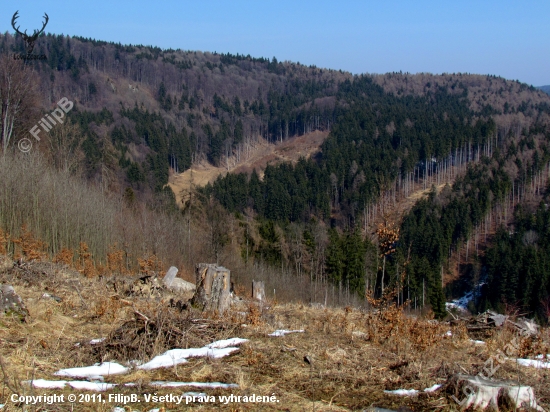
213,288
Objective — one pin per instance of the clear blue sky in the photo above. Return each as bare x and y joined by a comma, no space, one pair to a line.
506,38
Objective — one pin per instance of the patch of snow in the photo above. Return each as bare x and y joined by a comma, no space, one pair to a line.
220,344
217,349
542,357
539,364
1,406
91,386
283,332
45,384
99,369
84,385
449,333
403,392
96,341
212,385
433,388
478,342
461,304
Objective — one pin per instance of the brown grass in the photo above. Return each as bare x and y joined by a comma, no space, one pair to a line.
354,355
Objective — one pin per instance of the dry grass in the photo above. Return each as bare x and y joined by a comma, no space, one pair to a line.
353,355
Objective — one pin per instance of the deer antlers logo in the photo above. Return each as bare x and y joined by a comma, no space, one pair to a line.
29,39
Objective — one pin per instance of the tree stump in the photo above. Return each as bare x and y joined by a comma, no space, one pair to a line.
258,290
213,288
480,394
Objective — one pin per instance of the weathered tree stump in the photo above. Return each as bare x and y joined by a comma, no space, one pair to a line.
213,288
480,394
258,290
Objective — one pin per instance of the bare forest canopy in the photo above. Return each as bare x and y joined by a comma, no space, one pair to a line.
142,112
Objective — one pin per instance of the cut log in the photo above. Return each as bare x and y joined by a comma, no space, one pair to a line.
176,284
181,286
480,394
170,276
213,284
258,290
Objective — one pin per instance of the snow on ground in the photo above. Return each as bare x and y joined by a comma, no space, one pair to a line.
283,332
220,344
413,392
91,386
539,363
217,349
432,388
212,385
43,383
176,356
477,342
96,341
403,392
461,304
84,385
100,386
99,369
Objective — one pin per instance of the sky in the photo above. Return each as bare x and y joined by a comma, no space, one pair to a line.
504,38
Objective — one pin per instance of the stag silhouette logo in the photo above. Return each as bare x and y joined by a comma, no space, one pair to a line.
29,39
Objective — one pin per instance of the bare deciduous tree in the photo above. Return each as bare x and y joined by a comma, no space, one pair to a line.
18,99
63,143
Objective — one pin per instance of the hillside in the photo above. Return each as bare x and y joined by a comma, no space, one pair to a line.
364,203
329,359
260,154
545,89
145,118
149,110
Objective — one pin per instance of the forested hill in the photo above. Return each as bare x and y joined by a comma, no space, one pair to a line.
142,111
152,109
393,134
